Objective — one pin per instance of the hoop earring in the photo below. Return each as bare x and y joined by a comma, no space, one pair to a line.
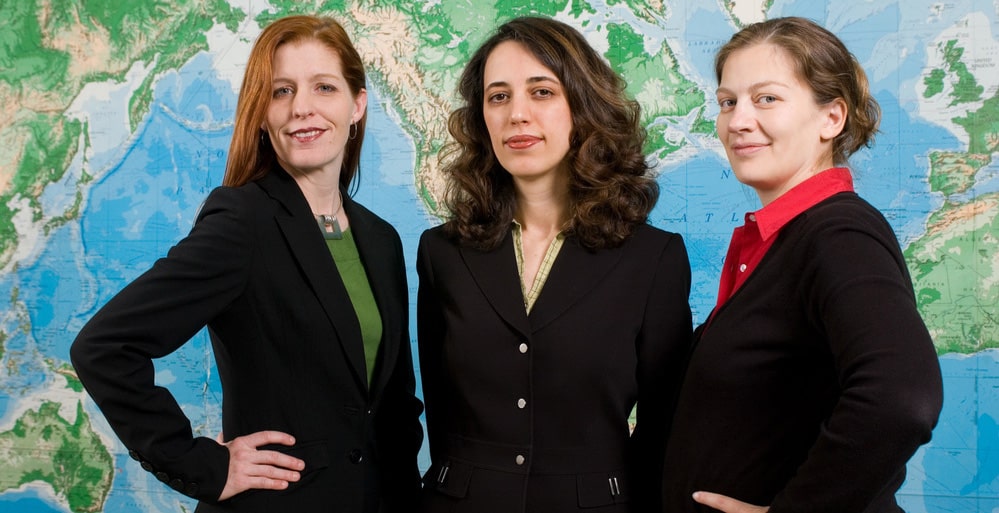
352,132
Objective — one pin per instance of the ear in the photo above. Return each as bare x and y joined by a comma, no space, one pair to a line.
360,104
834,119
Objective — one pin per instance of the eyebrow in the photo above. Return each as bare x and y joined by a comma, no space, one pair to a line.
319,76
531,80
753,87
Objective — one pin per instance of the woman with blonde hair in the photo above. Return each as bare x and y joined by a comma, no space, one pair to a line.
814,380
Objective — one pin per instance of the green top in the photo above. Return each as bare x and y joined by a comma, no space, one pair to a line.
348,262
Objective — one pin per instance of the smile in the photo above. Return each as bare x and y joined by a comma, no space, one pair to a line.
307,135
743,150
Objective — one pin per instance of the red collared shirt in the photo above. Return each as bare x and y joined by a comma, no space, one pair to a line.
752,240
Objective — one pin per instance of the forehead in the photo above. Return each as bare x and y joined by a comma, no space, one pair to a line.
758,62
306,55
512,62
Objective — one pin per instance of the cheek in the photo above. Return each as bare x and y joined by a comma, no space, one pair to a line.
271,120
723,119
495,134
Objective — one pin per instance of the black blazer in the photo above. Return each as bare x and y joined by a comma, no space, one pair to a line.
256,270
530,412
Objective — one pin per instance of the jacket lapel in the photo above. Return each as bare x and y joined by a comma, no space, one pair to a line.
373,244
309,248
495,273
575,272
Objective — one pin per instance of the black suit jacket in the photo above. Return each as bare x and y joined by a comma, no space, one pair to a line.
256,270
530,412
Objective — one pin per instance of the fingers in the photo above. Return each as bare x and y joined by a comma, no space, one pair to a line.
727,504
251,468
267,437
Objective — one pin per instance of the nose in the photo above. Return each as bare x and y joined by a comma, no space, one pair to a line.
301,107
520,110
741,118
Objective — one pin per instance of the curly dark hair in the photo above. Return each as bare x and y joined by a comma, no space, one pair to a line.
611,190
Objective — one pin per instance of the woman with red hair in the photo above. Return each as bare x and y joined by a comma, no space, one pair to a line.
303,291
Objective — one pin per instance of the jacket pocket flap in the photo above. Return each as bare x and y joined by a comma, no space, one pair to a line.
451,478
601,489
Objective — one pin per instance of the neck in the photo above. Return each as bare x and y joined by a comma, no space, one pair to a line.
547,212
323,196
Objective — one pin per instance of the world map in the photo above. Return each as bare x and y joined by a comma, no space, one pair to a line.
115,120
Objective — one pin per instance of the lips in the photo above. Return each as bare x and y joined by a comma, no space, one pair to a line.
306,134
745,149
520,142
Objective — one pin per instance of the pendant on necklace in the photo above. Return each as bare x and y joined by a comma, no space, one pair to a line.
330,227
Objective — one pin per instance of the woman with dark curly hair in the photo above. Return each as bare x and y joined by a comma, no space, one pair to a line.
547,306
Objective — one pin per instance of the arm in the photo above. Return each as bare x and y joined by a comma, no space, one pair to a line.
152,317
401,434
430,335
663,343
888,373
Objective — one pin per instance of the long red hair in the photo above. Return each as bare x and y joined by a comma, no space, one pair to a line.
251,155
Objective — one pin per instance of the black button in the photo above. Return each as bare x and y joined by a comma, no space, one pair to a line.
191,489
177,484
134,455
162,476
148,467
355,456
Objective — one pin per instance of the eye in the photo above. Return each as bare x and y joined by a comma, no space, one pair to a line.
726,103
282,91
544,93
497,97
326,88
767,98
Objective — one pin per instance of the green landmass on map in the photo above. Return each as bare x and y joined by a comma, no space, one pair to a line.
655,80
70,457
953,264
763,7
50,50
965,87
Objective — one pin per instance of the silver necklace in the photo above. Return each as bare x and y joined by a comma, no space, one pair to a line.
328,224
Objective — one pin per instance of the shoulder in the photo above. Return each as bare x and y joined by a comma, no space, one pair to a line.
843,236
842,218
646,231
646,237
438,249
370,220
845,209
232,202
437,238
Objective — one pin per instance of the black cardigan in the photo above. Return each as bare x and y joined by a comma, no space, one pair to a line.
814,384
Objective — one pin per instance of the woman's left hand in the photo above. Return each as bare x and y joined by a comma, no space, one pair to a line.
727,504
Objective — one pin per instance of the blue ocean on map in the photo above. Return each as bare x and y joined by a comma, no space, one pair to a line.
27,502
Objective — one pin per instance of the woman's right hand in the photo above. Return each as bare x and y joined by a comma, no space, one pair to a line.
250,468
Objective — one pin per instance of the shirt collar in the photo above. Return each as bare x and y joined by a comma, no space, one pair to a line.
771,218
